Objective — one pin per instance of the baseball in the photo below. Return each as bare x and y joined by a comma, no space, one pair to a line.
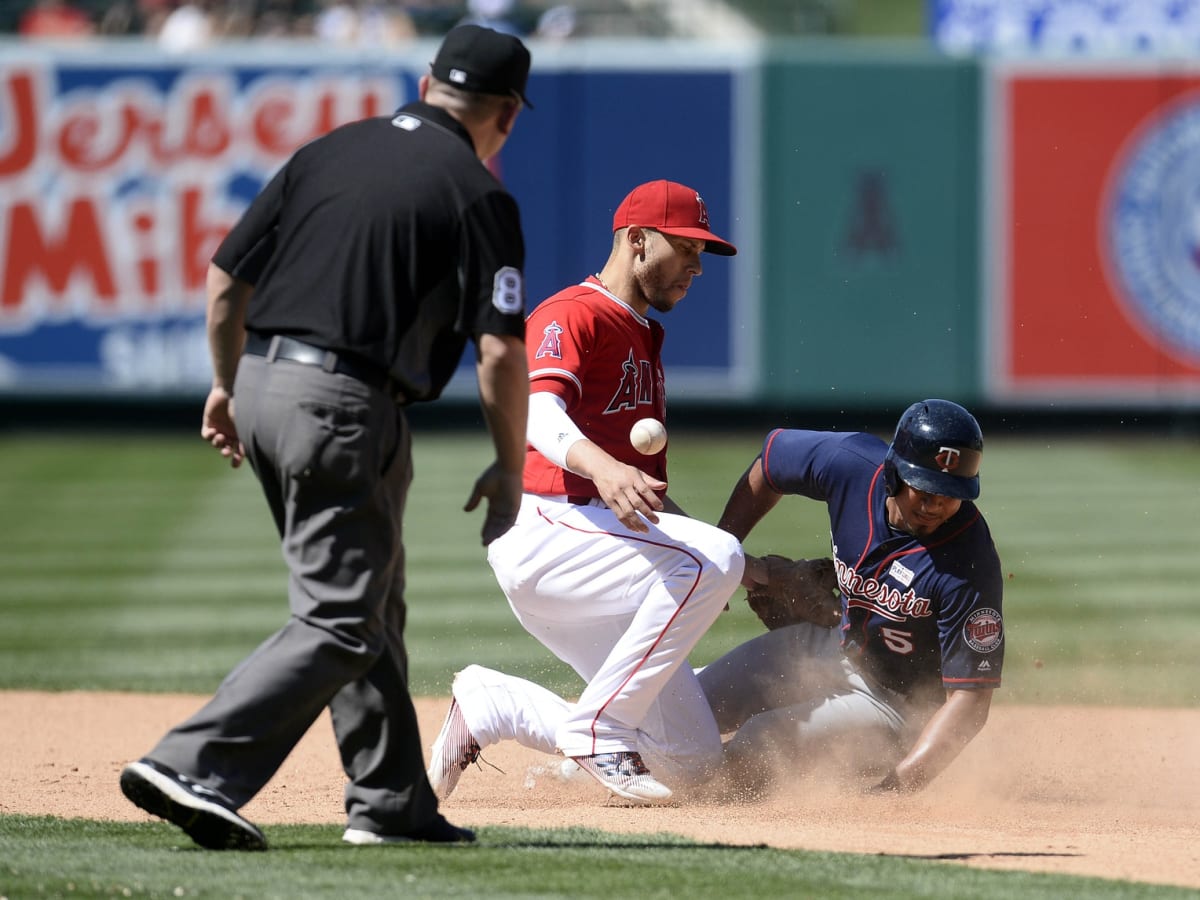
648,436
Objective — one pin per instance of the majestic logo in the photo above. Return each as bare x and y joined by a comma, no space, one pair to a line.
947,458
1153,229
703,211
983,631
551,344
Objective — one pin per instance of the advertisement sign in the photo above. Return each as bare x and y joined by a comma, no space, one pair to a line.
1096,274
1066,27
122,168
871,242
118,182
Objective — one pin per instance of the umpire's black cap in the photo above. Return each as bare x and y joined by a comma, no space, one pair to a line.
480,59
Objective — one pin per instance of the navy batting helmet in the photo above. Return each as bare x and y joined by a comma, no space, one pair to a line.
936,449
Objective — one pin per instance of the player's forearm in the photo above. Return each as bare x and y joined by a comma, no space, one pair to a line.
951,728
551,431
589,459
751,499
503,376
226,316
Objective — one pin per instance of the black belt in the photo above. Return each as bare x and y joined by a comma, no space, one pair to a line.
279,346
580,499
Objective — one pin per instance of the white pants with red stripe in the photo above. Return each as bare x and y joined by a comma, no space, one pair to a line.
623,609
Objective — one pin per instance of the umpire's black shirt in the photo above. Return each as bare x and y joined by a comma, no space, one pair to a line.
386,240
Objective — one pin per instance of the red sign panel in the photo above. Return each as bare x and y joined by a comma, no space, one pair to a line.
1097,197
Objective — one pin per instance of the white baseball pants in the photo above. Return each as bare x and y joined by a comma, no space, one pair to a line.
623,609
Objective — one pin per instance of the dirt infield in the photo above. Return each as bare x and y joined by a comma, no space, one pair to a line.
1083,790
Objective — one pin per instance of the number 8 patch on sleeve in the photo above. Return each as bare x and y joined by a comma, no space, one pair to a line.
508,291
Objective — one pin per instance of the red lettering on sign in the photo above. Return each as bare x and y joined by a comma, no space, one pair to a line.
77,250
200,238
21,118
114,195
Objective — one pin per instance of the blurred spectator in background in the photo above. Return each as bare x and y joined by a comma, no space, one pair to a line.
557,23
384,25
181,26
55,19
189,26
347,23
495,14
274,24
133,17
337,22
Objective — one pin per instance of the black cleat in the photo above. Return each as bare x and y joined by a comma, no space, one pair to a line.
201,812
439,831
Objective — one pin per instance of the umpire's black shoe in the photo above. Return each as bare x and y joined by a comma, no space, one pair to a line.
201,812
439,831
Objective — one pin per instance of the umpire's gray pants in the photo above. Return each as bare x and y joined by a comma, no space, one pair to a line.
333,457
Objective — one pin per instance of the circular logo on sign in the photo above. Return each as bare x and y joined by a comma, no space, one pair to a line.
983,630
1153,229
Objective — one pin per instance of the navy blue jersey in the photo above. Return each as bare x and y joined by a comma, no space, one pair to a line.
919,615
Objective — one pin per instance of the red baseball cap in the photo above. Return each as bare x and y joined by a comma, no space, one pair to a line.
671,208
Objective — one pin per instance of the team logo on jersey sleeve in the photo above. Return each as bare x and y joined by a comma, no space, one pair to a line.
984,630
551,344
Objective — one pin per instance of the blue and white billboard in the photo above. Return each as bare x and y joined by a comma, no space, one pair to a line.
1067,27
121,168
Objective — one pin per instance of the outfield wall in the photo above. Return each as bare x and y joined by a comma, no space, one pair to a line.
908,223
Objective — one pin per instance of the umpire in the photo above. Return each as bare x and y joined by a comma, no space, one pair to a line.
346,292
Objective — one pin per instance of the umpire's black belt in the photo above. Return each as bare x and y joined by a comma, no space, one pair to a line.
278,346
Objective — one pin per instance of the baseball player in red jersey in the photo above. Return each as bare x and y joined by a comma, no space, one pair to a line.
601,566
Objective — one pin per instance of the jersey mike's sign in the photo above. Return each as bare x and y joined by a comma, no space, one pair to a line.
122,167
117,185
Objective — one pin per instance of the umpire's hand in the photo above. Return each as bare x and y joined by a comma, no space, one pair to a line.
218,428
503,492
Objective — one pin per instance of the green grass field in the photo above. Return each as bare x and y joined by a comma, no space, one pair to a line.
51,857
135,563
142,563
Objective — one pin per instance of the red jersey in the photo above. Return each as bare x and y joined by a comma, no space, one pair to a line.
604,360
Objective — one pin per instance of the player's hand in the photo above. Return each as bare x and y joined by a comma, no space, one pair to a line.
889,785
796,590
755,574
631,494
218,427
503,492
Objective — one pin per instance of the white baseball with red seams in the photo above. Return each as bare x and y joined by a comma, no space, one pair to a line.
648,436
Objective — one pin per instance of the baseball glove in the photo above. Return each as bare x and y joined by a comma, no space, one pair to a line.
797,590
